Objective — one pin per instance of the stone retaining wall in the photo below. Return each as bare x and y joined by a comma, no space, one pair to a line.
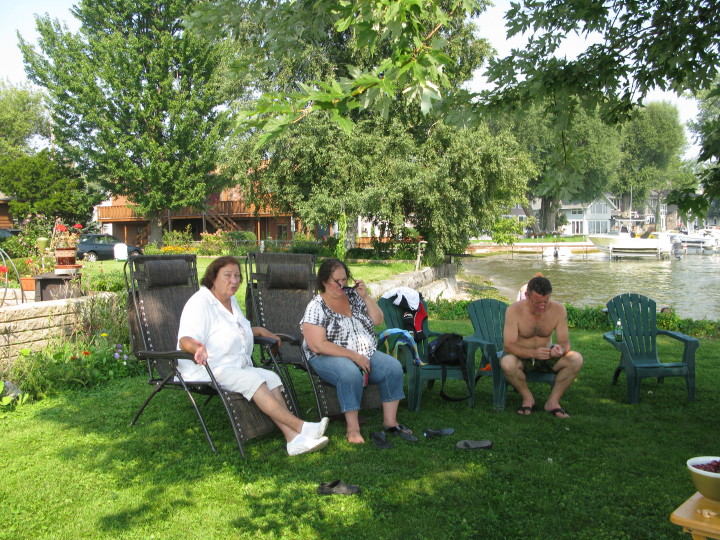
431,282
33,325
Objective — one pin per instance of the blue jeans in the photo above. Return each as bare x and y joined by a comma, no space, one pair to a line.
345,376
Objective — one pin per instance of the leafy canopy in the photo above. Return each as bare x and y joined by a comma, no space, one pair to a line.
404,37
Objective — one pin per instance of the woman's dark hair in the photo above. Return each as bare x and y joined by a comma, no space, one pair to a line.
326,270
211,273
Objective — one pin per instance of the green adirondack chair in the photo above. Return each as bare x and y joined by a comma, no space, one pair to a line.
417,375
638,349
488,319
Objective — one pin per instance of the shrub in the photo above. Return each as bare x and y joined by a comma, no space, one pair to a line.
242,236
152,249
105,281
95,352
587,318
360,253
306,246
218,243
447,310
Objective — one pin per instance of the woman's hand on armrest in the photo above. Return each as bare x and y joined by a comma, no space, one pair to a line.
194,347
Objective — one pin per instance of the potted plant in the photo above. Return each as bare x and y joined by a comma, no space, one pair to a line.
64,242
33,267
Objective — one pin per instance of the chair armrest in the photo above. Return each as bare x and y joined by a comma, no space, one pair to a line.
691,344
679,336
292,340
610,338
266,341
165,354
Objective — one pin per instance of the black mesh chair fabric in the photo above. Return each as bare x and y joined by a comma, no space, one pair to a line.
158,288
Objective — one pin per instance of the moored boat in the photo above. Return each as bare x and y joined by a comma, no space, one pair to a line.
624,245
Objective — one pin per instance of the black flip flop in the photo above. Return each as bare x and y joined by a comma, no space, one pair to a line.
379,439
402,432
338,487
438,432
474,445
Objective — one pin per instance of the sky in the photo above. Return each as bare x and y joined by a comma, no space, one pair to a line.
18,15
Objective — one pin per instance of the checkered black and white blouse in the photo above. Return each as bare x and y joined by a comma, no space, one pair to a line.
356,333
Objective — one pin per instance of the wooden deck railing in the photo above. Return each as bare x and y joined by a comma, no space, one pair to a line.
223,208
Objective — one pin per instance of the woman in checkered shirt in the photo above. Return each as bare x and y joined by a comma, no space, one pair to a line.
339,331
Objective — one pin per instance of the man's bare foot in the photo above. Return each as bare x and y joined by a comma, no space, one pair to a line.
354,437
526,409
557,411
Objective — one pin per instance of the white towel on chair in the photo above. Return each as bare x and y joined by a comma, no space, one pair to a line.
411,295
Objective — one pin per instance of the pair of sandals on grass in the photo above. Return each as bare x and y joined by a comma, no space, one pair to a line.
557,412
380,439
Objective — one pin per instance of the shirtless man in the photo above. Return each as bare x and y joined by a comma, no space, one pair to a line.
529,325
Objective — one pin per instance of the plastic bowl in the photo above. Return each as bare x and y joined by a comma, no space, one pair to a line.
707,483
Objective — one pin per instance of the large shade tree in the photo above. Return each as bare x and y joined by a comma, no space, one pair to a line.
652,145
449,186
135,100
576,164
640,45
396,171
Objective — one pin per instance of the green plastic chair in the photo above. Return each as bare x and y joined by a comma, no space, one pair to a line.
638,349
488,319
417,375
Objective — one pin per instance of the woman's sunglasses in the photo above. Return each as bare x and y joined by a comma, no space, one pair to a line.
347,287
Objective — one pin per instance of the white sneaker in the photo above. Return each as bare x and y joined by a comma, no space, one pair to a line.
315,430
303,445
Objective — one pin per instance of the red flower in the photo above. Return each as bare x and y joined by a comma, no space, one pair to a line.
77,226
3,269
86,353
61,228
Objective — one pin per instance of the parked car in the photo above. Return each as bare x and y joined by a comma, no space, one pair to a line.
93,247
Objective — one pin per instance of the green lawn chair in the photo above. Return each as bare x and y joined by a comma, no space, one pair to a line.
488,319
417,375
638,349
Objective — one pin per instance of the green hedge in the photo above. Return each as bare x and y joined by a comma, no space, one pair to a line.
587,318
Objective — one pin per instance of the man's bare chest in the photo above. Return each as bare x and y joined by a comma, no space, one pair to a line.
534,329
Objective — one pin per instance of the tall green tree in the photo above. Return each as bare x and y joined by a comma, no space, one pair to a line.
707,130
22,118
449,186
652,143
319,172
42,184
576,164
135,100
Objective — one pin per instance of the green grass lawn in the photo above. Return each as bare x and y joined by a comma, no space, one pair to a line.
74,468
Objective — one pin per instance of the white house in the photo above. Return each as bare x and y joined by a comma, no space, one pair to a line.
588,218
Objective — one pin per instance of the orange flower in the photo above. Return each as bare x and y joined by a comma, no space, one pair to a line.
86,353
3,269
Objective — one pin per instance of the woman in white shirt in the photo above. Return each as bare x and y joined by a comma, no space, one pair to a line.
215,331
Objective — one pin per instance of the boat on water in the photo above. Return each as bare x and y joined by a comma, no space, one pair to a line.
705,243
623,244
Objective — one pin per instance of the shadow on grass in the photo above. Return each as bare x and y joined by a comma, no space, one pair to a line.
611,471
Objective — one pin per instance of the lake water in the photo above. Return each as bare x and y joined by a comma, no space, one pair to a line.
690,284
